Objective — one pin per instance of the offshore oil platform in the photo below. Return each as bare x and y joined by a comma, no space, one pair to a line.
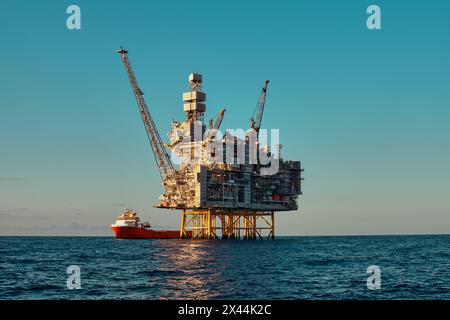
227,186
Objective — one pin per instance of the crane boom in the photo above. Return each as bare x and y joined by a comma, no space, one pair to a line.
165,166
219,119
255,122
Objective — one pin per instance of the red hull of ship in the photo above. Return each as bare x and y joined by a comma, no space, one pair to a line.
143,233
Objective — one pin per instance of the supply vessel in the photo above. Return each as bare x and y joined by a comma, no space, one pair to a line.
128,225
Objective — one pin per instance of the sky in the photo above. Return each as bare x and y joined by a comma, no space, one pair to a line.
366,111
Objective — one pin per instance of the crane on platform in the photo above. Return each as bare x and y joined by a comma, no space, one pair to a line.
163,162
215,127
255,121
218,121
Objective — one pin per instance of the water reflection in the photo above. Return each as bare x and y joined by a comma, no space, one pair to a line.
192,270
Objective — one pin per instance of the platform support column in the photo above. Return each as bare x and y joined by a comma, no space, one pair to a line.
183,225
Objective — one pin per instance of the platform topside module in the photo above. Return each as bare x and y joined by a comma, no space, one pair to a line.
219,176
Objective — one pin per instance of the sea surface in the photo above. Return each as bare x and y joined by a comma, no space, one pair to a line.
412,267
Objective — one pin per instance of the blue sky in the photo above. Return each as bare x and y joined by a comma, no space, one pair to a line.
367,112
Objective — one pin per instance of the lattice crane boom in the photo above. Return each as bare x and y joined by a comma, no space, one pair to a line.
219,119
163,162
255,123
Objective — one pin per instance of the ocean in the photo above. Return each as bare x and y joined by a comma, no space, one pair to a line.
410,267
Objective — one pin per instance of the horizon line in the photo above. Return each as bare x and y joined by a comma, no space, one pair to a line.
280,236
